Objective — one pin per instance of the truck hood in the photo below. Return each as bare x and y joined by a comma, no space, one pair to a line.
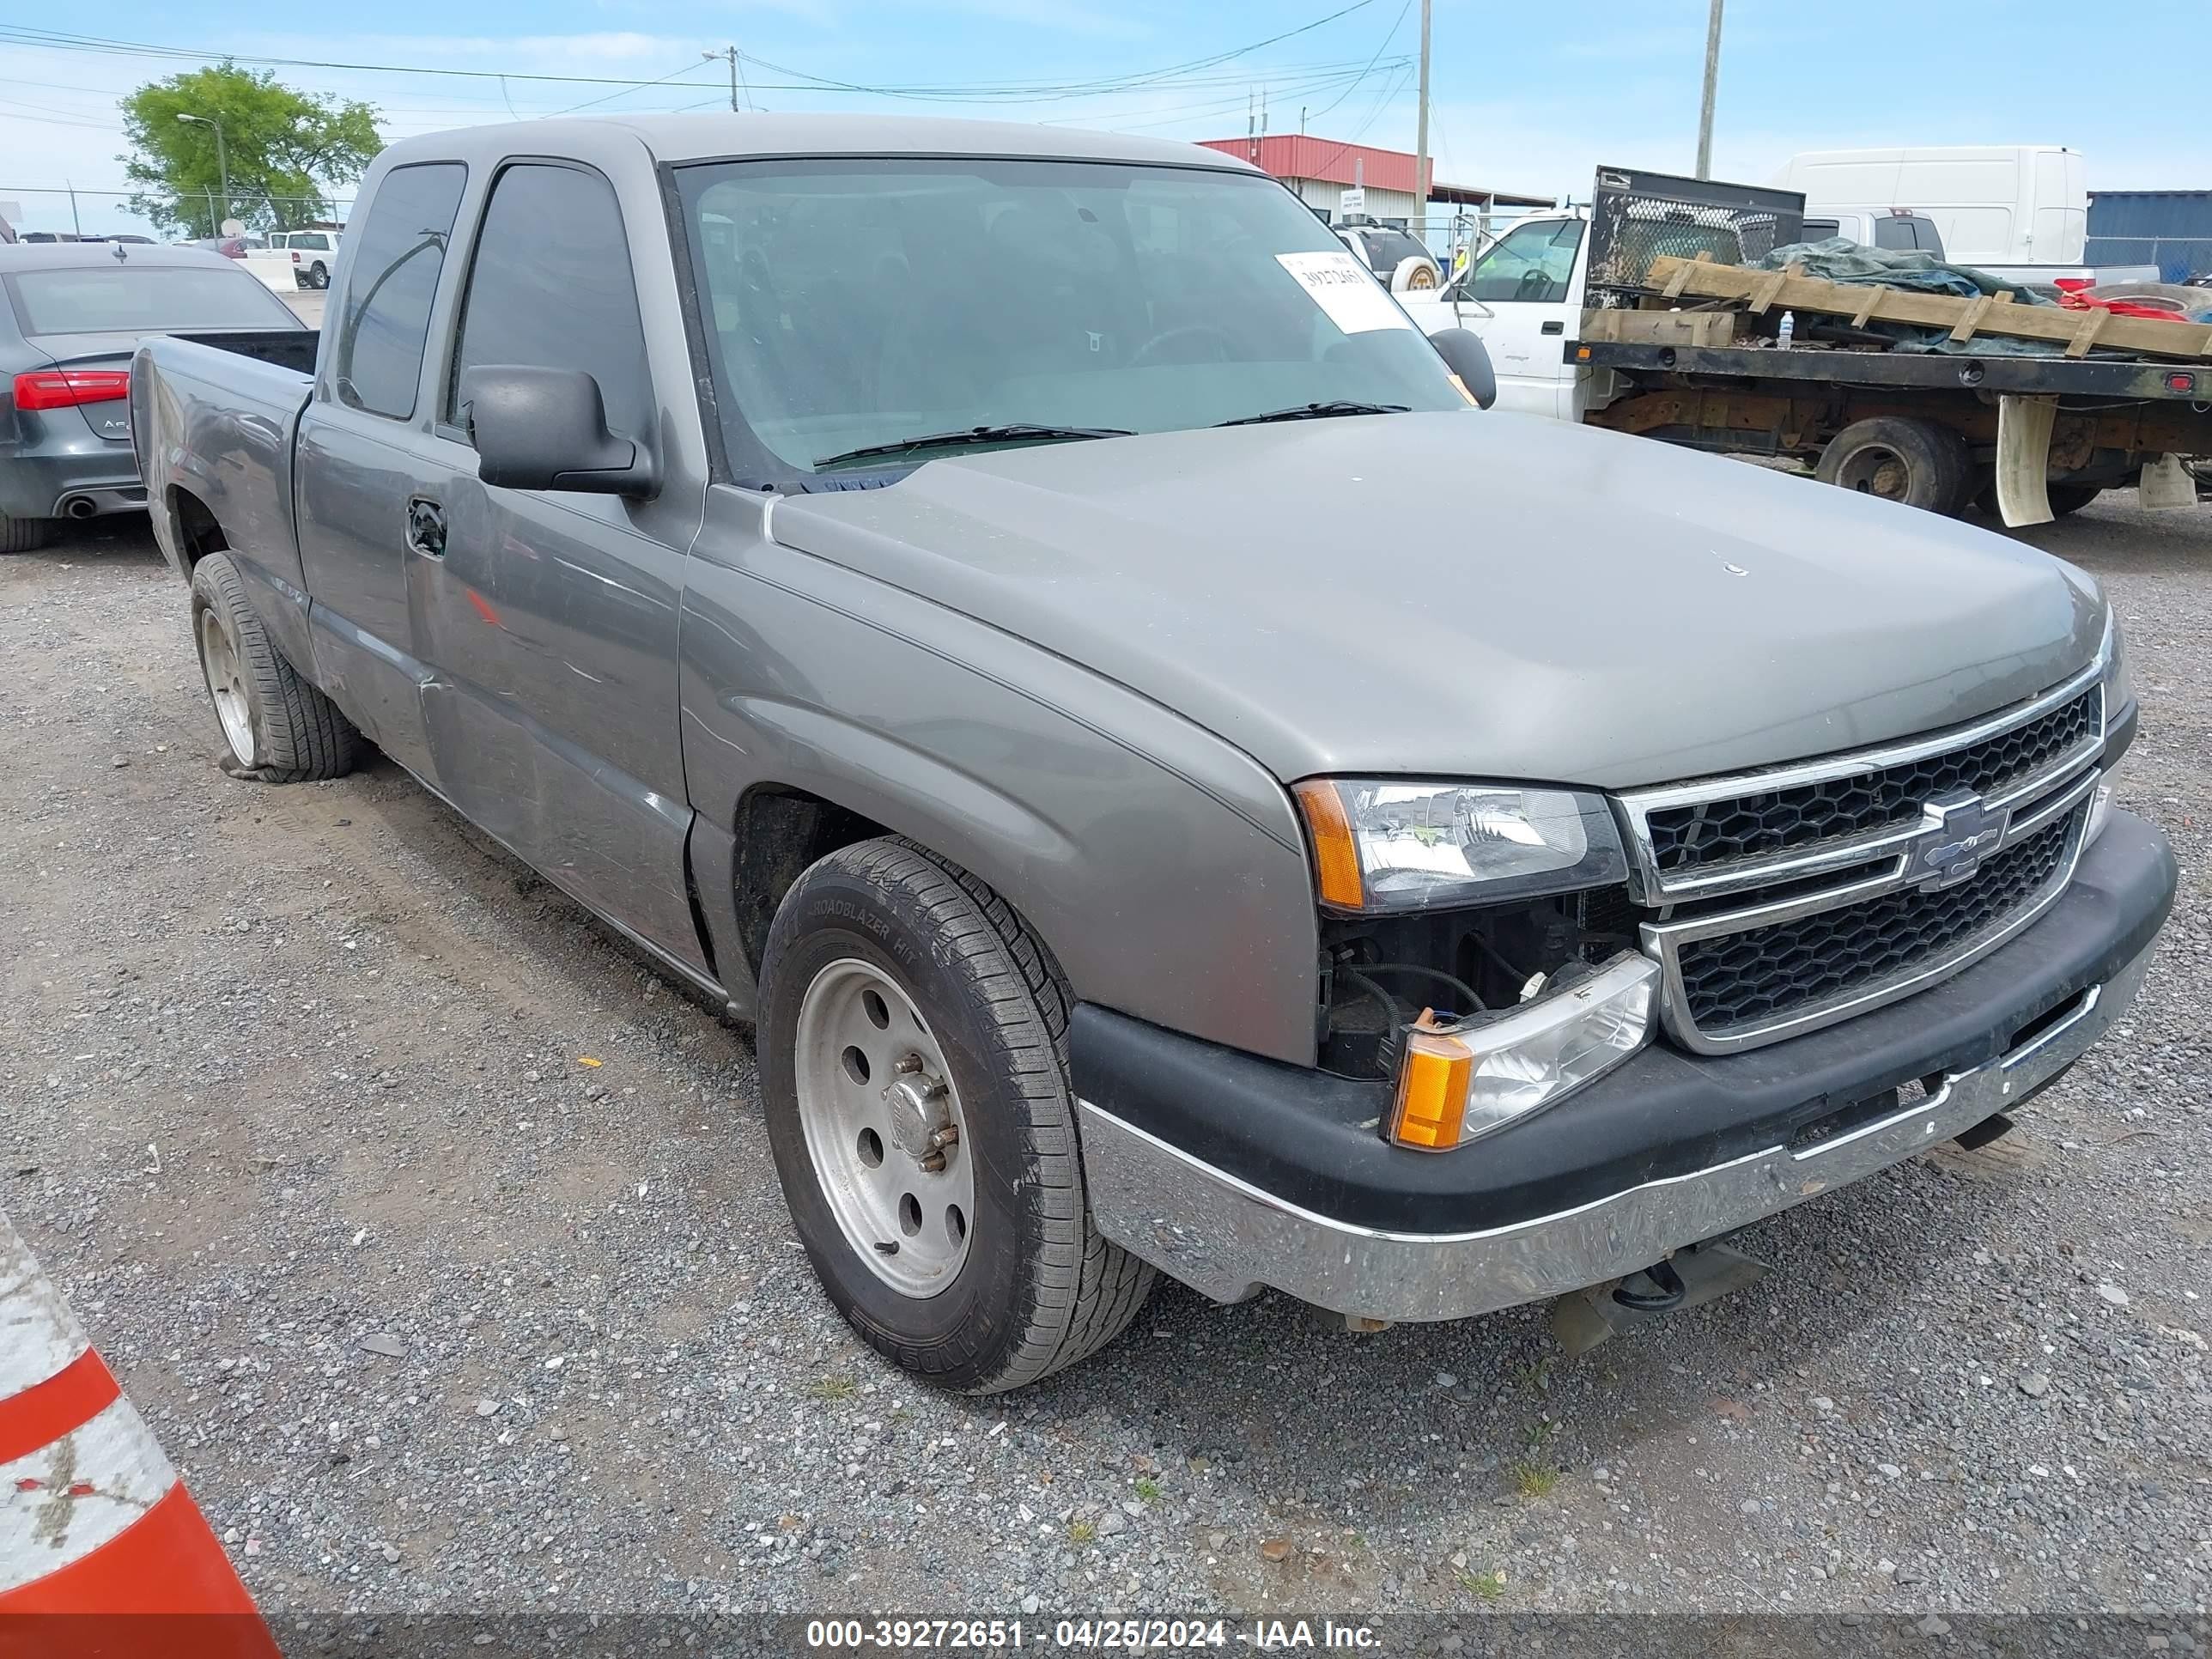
1475,595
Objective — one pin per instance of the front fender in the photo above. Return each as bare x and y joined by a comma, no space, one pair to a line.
1164,869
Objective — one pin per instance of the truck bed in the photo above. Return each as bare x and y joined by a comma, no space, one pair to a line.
215,414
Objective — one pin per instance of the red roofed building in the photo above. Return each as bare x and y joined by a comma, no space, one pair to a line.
1320,169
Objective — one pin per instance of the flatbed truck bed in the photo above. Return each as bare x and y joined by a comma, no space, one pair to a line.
1944,429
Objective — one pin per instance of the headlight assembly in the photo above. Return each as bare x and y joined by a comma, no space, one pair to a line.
1462,1079
1384,845
2119,684
2119,724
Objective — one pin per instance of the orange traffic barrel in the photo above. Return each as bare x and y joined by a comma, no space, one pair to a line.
102,1550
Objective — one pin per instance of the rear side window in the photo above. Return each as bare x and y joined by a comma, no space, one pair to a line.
386,316
550,287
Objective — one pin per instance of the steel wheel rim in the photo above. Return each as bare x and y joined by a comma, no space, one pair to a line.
874,1124
1876,472
225,685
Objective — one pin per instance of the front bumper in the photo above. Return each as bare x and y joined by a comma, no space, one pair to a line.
1232,1173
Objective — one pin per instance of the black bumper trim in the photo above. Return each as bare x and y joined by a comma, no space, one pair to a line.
1310,1138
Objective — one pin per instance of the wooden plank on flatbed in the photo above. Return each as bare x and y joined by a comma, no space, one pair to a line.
1674,289
2092,324
2150,336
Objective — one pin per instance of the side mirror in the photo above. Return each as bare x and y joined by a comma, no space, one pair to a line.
546,428
1465,355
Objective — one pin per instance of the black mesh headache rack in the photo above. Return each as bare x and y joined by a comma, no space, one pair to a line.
1636,216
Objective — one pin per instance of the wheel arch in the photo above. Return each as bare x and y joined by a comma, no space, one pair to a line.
781,829
193,527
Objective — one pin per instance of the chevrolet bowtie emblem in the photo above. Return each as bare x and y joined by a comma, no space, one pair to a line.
1960,830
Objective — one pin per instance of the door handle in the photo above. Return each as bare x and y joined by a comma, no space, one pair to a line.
1555,326
426,527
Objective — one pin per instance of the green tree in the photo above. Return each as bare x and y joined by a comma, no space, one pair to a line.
285,150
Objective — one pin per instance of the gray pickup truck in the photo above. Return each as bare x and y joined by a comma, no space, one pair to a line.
918,582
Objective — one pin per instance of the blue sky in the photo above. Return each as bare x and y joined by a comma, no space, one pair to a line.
1526,97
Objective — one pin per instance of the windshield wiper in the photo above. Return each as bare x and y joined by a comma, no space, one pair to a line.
1011,432
1316,412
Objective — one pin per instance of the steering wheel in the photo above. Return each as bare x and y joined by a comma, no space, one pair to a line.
1535,285
1185,331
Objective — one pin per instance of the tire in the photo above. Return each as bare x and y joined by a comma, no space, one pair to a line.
22,535
1916,462
319,276
1026,1285
277,727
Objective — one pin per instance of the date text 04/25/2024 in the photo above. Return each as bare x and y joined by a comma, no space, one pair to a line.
1122,1635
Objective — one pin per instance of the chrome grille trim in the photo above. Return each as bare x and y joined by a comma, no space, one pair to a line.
1865,867
1664,940
1650,884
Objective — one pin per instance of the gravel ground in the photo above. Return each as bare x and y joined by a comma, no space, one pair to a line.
441,1243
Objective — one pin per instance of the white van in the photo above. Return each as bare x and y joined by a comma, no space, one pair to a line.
2014,210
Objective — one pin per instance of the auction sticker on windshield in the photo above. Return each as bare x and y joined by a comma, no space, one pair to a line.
1347,294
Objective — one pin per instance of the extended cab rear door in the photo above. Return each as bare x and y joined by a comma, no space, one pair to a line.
363,443
548,618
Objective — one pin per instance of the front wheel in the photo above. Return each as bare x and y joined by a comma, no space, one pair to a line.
279,727
914,1078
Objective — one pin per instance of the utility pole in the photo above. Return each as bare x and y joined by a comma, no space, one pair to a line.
731,53
221,160
76,224
1712,85
1421,135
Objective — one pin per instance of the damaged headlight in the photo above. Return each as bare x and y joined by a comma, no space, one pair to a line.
1461,1078
1383,845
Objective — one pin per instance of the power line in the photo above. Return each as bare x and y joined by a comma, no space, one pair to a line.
59,40
1379,50
688,63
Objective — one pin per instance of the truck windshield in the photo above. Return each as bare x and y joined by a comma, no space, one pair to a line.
856,302
142,299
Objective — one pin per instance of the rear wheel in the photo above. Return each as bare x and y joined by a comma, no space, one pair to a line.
914,1078
22,535
318,275
1916,462
278,728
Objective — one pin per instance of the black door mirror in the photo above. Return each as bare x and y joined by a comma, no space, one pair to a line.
546,428
1465,355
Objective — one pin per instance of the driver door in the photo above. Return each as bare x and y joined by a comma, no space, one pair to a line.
1519,297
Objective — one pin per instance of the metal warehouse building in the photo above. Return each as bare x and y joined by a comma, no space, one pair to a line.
2169,228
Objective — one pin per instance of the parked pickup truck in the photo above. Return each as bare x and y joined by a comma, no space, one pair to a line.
996,697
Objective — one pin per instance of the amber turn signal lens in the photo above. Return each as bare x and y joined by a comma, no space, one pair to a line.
1430,1107
1336,859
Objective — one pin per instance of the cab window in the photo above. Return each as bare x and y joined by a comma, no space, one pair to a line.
550,287
385,319
1531,264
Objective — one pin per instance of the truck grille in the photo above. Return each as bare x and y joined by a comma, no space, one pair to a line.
1704,833
1781,901
1743,979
